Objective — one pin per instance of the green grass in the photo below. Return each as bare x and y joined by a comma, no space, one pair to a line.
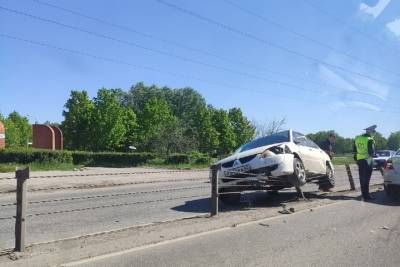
343,159
10,167
159,163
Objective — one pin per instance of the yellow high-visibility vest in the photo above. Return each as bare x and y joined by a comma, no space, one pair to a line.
361,143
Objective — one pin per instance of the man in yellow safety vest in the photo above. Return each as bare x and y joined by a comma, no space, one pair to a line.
364,148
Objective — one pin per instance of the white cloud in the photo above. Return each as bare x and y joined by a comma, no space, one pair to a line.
353,84
333,78
338,105
370,87
394,27
359,104
376,10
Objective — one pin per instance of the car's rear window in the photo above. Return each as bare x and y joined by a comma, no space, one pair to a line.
266,140
383,153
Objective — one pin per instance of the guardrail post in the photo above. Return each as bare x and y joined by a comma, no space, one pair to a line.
214,189
350,175
20,228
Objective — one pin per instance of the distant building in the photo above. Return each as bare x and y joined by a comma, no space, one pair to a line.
47,137
2,136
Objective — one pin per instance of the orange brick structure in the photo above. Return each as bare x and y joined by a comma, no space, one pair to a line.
43,137
58,138
47,137
2,136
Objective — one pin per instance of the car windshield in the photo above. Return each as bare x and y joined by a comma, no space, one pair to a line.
266,140
383,153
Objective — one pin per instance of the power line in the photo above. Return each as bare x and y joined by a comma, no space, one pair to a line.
164,53
146,68
129,43
354,29
308,38
268,43
197,50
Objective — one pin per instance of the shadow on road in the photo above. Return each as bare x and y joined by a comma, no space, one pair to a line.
260,199
248,200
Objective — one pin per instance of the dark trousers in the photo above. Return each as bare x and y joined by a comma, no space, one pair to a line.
365,172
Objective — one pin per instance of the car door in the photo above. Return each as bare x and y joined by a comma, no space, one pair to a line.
396,162
306,154
318,158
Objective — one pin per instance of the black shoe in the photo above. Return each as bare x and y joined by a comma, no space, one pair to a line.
368,198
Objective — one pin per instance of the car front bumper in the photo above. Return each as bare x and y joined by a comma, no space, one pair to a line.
273,166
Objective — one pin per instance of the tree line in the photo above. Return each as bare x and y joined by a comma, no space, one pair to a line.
160,120
345,145
152,119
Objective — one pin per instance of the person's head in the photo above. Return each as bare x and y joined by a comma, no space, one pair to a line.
371,130
332,137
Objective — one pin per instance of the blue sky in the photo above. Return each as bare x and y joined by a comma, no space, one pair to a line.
314,86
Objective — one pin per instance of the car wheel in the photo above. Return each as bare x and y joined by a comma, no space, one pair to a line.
298,178
229,198
328,180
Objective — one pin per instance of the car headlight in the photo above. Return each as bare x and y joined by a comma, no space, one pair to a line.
267,153
276,150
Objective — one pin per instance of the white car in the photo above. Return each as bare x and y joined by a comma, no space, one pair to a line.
391,175
274,162
381,156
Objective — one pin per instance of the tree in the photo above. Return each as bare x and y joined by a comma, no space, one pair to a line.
226,135
380,141
153,119
18,130
394,141
111,122
76,127
131,127
208,141
267,127
171,139
242,127
342,145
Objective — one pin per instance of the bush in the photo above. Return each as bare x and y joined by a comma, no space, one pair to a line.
198,158
177,158
192,157
39,156
76,157
108,159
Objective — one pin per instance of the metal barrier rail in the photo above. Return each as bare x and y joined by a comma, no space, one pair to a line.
22,175
105,174
105,196
105,206
215,185
89,186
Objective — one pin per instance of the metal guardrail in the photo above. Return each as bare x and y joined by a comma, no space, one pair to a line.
215,169
22,175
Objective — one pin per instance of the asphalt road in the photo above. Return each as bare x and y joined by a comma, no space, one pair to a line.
64,213
346,233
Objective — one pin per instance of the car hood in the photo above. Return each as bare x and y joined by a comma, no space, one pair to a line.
253,151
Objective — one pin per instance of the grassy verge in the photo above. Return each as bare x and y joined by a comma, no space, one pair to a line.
159,163
10,167
343,159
